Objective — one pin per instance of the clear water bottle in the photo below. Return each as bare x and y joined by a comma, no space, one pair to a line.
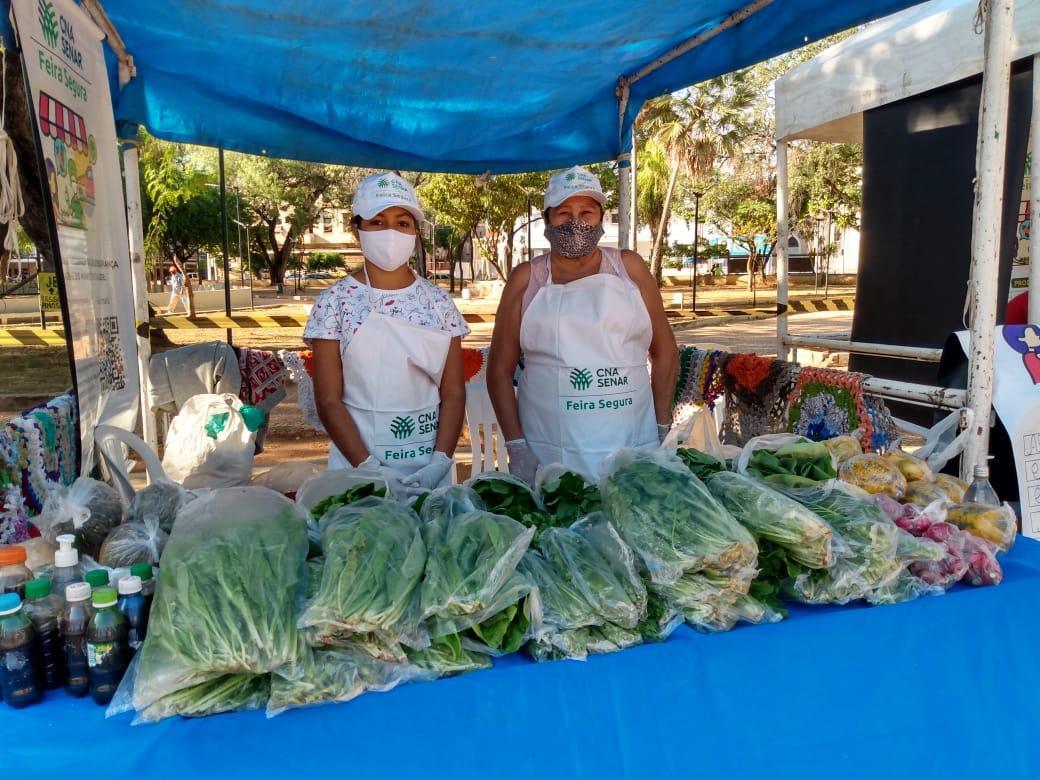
980,491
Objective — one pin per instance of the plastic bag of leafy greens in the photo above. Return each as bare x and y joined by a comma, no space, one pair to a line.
88,509
905,587
335,482
505,494
566,494
471,568
374,559
506,631
669,518
160,500
592,557
660,621
450,501
792,464
232,573
447,656
132,543
769,514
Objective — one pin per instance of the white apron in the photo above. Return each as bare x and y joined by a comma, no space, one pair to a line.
585,388
391,387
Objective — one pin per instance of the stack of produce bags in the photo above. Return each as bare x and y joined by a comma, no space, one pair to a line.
697,560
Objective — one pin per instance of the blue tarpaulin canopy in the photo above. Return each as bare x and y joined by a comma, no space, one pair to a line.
445,86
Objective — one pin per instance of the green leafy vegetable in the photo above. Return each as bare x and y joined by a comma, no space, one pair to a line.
671,521
569,497
228,693
228,587
799,464
447,656
374,560
700,463
355,493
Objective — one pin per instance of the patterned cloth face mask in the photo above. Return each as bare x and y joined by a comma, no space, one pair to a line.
573,239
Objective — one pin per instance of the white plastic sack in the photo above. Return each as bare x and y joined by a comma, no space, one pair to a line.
334,482
286,478
209,444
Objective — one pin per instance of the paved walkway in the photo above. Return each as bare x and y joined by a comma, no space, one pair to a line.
759,336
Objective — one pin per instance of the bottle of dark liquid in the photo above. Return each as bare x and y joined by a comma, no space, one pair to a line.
107,653
131,604
17,673
43,609
144,571
73,625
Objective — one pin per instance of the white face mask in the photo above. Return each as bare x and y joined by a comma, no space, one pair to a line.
387,249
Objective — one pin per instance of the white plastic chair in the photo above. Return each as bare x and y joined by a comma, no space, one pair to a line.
109,442
486,437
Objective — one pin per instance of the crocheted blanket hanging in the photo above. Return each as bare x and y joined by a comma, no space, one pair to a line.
699,383
828,403
756,392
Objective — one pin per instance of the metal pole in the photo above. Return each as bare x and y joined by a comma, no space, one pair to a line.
633,241
782,238
224,241
696,247
530,219
43,313
238,231
250,264
989,207
139,282
1034,199
827,259
624,200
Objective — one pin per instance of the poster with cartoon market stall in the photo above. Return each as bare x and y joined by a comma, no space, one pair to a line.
68,87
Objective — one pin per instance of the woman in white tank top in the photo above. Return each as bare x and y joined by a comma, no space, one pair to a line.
586,320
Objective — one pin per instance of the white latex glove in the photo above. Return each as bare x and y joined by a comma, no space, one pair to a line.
430,475
523,463
371,462
662,432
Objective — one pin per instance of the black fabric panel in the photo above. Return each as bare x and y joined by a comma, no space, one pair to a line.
915,250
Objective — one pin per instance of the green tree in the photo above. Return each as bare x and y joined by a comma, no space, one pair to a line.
745,210
325,261
827,178
695,130
284,197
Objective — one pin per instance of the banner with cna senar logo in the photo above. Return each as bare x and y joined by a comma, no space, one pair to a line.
75,129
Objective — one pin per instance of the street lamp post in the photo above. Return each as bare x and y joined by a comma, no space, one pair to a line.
696,247
818,222
246,227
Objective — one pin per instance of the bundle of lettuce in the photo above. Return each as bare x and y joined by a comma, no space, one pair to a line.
471,588
874,564
671,521
232,574
592,597
368,596
698,561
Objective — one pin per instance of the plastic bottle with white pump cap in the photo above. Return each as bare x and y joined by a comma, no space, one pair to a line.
67,569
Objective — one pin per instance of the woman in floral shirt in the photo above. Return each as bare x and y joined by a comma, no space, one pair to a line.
388,376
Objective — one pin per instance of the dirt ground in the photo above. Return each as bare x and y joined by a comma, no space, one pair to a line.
34,374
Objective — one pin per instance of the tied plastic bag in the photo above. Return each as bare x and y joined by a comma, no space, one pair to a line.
844,447
996,524
471,583
669,518
232,575
334,482
374,561
286,478
161,501
133,543
874,474
87,509
210,443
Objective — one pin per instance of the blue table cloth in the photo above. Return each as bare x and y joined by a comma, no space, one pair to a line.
945,687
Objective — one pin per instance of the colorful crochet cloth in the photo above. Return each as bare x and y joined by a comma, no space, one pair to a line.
699,383
756,390
263,383
38,451
828,403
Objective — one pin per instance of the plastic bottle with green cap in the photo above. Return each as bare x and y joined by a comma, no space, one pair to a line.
144,571
96,578
73,624
107,654
17,673
43,609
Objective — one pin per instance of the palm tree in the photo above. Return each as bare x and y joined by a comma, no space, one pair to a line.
695,129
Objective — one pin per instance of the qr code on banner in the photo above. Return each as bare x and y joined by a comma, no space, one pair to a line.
111,368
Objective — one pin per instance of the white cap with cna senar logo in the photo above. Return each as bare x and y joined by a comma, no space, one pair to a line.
573,181
380,191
